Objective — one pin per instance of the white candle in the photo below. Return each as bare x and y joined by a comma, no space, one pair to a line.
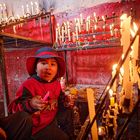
69,38
95,27
81,19
111,30
103,18
95,18
14,29
76,31
1,13
23,12
56,35
66,29
37,8
121,75
32,8
89,21
5,14
58,27
87,27
62,31
27,9
78,24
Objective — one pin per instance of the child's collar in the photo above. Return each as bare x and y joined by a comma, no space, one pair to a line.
41,80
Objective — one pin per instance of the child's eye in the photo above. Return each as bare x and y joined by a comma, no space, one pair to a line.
43,63
53,64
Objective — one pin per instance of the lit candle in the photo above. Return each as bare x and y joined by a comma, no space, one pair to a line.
101,132
112,99
103,18
121,75
95,27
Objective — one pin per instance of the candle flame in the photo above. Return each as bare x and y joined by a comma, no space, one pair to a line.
123,17
135,27
103,18
114,67
122,71
108,87
132,33
122,56
111,92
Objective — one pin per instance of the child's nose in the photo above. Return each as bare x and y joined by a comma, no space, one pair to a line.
47,66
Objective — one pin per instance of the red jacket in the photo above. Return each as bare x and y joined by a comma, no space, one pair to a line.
35,86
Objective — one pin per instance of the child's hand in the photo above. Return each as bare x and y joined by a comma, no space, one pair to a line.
70,100
37,103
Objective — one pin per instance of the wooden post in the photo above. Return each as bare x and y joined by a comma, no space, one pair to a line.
3,78
125,41
136,57
91,106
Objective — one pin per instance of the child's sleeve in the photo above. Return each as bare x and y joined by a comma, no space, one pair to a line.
22,102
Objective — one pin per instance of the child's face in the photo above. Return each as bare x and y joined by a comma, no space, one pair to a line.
47,68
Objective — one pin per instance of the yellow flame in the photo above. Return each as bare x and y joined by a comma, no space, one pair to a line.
122,56
114,67
135,27
111,92
123,17
132,33
122,71
108,87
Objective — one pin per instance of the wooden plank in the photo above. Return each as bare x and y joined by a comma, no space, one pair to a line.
91,106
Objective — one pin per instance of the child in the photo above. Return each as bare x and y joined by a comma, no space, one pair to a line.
38,99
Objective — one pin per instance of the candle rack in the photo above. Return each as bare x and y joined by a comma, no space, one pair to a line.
103,105
37,28
83,32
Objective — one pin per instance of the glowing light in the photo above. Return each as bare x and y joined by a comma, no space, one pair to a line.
123,17
122,71
111,92
135,27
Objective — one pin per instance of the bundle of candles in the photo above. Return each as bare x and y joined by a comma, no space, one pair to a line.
122,100
28,10
3,12
86,30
